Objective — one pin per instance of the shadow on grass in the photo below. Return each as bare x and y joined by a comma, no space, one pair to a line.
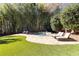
67,40
7,41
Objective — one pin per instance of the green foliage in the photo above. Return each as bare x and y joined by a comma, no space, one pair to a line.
16,18
70,17
55,23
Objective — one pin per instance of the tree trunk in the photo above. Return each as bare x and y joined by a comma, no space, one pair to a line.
65,30
72,31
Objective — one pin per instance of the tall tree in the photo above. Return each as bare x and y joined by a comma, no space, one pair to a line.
70,17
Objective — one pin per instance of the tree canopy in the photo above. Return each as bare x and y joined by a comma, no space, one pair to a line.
55,23
70,17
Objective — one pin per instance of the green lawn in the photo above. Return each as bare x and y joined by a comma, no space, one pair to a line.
18,46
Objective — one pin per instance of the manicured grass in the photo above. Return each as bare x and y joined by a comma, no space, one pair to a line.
18,46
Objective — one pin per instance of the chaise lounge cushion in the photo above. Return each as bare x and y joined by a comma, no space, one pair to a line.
66,36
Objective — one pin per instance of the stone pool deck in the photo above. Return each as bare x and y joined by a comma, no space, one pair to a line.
50,40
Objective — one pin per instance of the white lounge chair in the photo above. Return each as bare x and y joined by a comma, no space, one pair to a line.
66,36
58,34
